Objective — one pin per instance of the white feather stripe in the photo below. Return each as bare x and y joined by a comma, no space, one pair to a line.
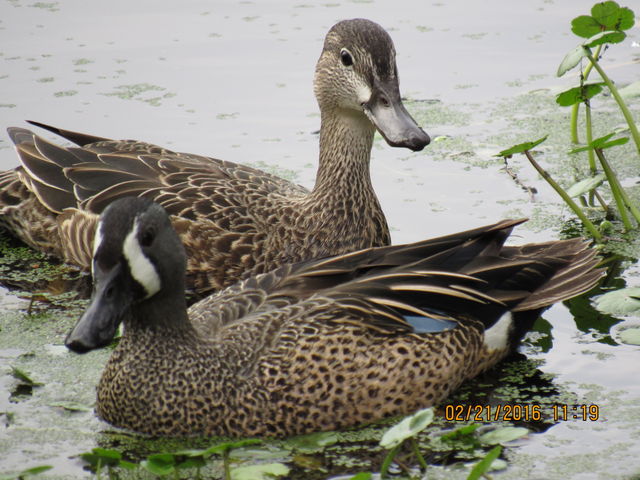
97,240
497,337
142,270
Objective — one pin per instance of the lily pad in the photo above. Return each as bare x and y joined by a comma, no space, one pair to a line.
407,428
313,441
579,94
585,26
264,471
605,37
619,302
612,17
605,16
503,435
160,464
362,476
630,336
586,185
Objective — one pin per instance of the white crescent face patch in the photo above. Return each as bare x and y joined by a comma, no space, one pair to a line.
97,240
142,270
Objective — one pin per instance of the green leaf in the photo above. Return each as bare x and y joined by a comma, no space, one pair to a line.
586,185
613,143
362,476
102,456
71,406
521,147
579,94
605,37
619,302
312,441
626,19
611,16
571,59
263,471
630,336
585,26
503,435
483,465
631,90
407,428
191,462
460,432
27,472
601,143
160,464
24,377
222,447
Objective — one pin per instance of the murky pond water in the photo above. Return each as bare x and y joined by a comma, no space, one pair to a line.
233,80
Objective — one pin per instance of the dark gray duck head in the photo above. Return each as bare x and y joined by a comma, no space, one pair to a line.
138,265
357,71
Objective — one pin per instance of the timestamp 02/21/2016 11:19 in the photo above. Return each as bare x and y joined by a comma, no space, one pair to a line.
516,412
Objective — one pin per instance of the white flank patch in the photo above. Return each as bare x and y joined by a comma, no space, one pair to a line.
97,240
497,336
142,270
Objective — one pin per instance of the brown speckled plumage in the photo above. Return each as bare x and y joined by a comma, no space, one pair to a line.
318,345
234,220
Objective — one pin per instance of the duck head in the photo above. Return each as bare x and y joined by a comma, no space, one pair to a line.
357,72
138,266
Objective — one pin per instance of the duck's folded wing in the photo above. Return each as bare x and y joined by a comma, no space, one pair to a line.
469,275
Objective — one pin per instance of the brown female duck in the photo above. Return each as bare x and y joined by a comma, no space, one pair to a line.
318,345
233,219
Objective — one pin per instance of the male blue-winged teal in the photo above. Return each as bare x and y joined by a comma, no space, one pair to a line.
234,220
317,345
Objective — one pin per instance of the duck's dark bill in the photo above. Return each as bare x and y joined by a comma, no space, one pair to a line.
387,113
99,323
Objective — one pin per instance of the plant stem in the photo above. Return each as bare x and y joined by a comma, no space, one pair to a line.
614,91
576,209
576,106
589,130
590,155
625,201
419,457
227,467
386,463
615,190
604,205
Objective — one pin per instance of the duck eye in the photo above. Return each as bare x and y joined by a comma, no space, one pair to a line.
147,236
347,59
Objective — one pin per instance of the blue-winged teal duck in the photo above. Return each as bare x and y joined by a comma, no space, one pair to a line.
234,220
317,345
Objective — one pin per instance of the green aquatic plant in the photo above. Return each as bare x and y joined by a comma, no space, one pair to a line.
405,431
605,26
26,473
173,463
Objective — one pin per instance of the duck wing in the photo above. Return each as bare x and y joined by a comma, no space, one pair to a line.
468,276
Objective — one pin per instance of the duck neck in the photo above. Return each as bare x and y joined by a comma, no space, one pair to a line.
163,316
346,138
